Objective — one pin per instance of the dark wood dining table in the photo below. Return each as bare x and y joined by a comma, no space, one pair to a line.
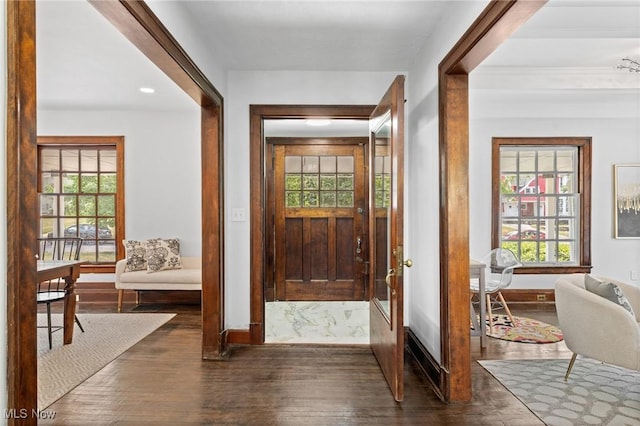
69,271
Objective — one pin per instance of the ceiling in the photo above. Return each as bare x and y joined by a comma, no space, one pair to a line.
80,58
576,44
572,33
325,35
568,45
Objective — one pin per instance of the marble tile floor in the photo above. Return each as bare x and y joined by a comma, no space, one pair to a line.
335,323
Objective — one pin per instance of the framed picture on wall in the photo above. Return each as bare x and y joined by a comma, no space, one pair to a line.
626,197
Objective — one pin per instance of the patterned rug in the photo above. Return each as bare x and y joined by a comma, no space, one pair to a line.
595,394
105,338
525,330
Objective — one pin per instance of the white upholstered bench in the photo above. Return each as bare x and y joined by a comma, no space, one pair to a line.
189,277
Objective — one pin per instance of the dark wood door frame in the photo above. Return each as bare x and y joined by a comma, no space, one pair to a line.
258,262
138,23
496,23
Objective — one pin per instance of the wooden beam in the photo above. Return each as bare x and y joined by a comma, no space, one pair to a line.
496,23
137,22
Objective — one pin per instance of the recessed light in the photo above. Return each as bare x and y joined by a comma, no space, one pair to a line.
147,90
318,122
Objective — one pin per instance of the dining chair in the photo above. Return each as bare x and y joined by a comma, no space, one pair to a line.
48,292
500,263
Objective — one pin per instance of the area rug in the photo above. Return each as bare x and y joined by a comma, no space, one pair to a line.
595,394
106,336
525,330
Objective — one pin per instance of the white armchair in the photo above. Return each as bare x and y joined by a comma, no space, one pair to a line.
595,327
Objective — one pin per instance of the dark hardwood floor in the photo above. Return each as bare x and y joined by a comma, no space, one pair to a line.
163,381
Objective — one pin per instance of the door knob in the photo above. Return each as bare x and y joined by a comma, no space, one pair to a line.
398,253
390,274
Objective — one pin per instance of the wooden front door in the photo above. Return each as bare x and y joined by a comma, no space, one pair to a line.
387,261
319,201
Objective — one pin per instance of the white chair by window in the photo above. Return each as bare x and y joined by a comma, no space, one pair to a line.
500,264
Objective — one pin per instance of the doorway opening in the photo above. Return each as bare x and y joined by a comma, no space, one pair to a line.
314,272
385,325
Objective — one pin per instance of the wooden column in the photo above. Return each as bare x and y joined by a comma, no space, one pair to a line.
494,25
454,236
22,213
213,331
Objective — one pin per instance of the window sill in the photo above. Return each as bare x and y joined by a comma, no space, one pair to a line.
571,269
98,268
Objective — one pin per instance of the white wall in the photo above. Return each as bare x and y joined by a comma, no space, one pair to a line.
162,167
613,122
272,87
3,225
422,225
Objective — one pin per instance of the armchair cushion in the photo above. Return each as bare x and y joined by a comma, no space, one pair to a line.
609,291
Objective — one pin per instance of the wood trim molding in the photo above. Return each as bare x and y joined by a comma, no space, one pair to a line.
239,337
494,25
97,269
347,140
257,114
354,112
425,361
22,202
546,295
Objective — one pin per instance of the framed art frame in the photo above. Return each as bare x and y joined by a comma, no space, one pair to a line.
626,199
